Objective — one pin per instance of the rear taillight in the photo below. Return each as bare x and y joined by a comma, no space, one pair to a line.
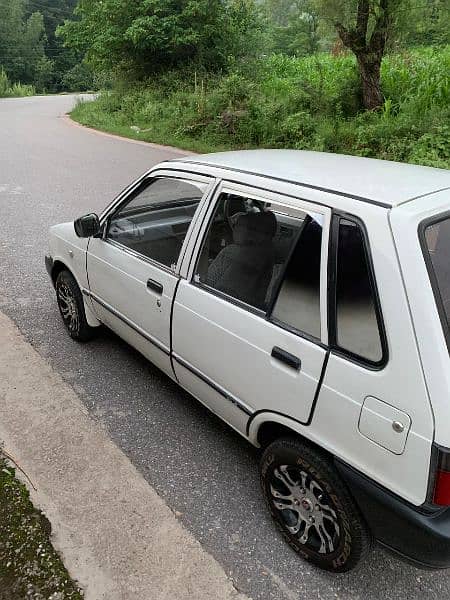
441,495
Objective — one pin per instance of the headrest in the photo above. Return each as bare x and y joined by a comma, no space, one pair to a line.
254,229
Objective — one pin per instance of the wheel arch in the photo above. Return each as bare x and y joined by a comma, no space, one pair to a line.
57,268
265,427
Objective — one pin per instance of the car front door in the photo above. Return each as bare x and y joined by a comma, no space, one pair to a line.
133,267
249,323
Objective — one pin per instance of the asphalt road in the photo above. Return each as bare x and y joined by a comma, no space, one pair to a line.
51,172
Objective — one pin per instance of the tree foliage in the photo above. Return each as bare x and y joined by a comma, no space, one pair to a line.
22,42
29,50
145,37
295,26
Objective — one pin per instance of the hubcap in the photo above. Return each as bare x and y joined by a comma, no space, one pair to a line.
68,307
305,509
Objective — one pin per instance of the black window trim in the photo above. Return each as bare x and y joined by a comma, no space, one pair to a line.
128,196
336,218
264,314
421,230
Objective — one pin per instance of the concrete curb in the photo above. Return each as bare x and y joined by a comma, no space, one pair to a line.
116,535
68,119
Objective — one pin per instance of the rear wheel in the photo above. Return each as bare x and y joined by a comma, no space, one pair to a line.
312,507
71,307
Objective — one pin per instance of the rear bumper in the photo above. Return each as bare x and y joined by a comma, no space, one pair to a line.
419,536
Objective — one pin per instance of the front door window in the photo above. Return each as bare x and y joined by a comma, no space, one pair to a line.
155,220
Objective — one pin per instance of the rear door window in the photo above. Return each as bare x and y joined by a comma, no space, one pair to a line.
245,250
298,301
267,257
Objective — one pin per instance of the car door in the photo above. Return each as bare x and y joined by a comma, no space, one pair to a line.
133,268
249,323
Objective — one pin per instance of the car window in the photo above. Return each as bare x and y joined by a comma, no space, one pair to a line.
357,327
155,220
437,241
298,301
246,250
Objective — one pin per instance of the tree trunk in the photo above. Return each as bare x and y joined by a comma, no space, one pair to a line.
369,68
368,52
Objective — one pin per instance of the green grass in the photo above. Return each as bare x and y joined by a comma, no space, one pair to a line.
14,90
29,565
310,103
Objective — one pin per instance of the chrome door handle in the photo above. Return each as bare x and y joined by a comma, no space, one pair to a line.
287,358
155,286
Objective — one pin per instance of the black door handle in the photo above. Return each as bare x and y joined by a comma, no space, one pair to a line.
288,359
155,286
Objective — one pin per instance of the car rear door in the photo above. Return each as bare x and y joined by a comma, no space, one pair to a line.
249,322
133,267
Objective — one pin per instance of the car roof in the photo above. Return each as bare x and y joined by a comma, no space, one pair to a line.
378,181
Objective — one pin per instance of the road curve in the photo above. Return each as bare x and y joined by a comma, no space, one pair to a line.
52,172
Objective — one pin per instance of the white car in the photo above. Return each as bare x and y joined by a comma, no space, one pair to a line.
305,299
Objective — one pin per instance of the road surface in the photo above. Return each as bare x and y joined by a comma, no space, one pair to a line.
51,171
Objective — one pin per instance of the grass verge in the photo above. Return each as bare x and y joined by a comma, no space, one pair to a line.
310,103
30,568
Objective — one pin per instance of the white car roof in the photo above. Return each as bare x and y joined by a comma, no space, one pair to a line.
379,181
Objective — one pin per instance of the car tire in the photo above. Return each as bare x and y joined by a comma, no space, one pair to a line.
71,307
312,507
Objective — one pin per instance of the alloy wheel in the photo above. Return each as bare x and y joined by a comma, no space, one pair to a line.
305,509
68,307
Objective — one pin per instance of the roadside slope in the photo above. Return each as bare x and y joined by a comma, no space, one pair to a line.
116,536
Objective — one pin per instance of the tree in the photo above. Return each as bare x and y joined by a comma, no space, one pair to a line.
60,59
22,42
144,37
422,23
295,26
11,35
32,51
364,27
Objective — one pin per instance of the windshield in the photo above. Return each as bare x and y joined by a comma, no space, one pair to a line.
437,248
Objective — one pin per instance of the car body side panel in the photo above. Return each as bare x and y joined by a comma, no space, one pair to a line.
399,384
434,353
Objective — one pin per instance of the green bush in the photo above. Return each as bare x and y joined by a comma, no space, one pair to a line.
285,102
10,90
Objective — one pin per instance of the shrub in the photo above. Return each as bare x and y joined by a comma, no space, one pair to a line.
279,101
10,90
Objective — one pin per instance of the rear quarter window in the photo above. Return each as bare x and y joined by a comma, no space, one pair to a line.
435,239
357,328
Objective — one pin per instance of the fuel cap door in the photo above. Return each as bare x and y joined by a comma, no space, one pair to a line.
384,424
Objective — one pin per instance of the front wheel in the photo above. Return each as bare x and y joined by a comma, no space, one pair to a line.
71,307
312,507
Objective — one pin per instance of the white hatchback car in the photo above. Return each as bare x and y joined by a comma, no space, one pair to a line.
305,299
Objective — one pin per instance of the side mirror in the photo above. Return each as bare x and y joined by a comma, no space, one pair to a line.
87,226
